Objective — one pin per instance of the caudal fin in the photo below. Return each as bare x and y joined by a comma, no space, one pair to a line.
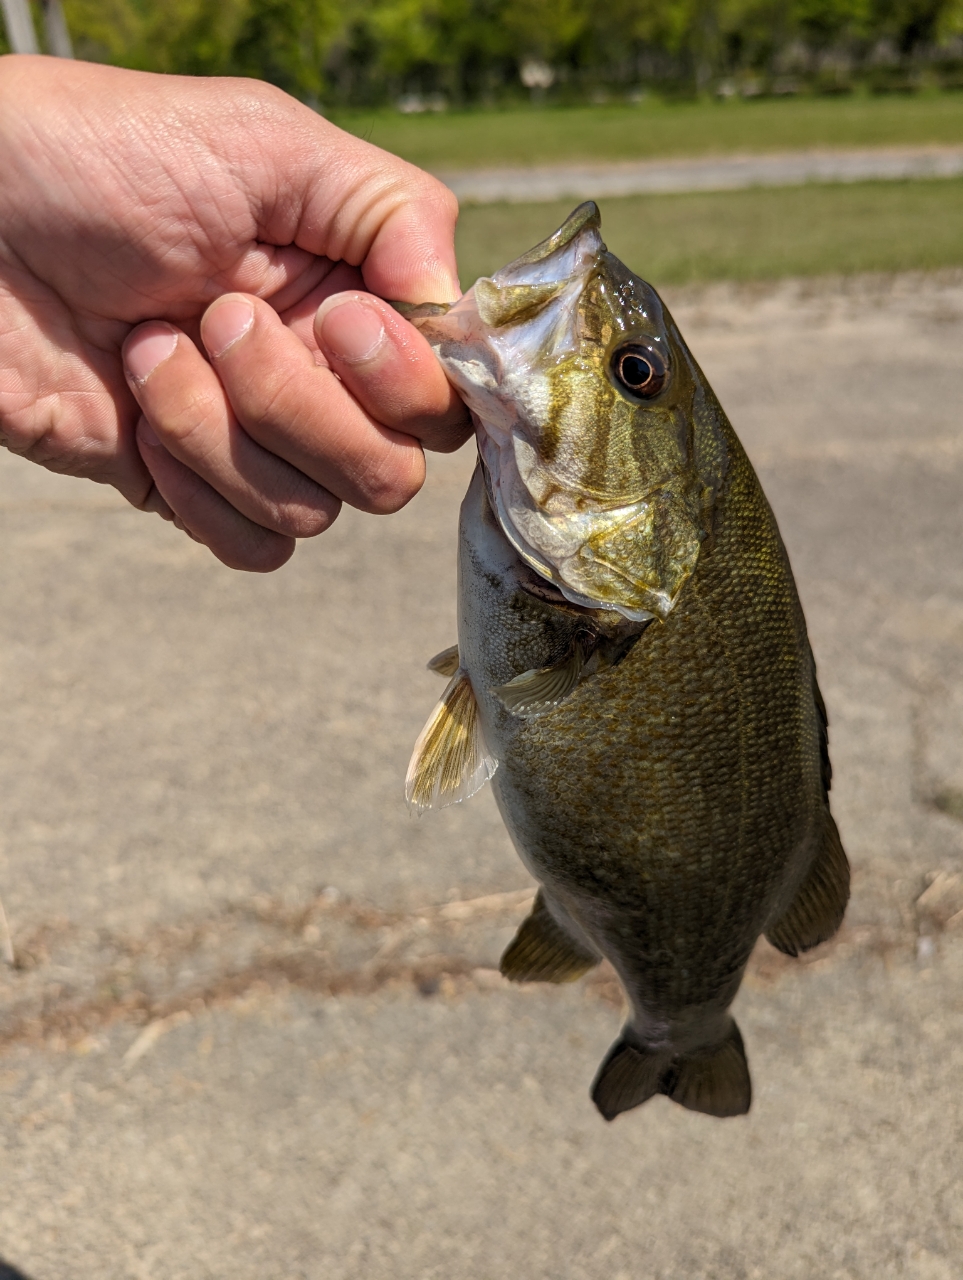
714,1080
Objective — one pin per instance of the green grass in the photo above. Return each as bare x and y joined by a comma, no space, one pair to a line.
744,235
525,136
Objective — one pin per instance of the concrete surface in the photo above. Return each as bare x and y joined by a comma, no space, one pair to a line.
255,1031
709,173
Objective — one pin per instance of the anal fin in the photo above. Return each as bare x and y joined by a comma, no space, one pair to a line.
450,761
543,951
533,692
714,1080
817,910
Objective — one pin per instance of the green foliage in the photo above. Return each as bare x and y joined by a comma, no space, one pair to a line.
367,52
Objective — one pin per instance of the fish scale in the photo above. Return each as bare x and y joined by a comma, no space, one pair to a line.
663,774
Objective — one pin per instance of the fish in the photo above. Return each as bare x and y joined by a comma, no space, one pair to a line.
632,670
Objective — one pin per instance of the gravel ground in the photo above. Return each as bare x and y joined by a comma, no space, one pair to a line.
255,1029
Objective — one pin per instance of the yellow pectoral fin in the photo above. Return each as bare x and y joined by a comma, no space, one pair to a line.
534,692
446,662
450,761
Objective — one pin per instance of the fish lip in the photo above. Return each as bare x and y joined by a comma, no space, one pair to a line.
587,215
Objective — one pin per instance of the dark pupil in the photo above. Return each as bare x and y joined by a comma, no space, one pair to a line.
635,371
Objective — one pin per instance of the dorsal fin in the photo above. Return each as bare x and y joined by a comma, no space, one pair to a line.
540,690
543,951
446,662
450,761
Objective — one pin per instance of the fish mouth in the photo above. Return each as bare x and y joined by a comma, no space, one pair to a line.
499,344
586,217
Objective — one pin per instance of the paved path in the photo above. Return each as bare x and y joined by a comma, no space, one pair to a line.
710,173
256,1032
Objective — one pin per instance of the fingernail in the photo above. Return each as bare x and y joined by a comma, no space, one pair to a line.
350,329
224,323
146,350
145,435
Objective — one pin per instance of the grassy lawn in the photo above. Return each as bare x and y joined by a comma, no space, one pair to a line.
744,235
461,140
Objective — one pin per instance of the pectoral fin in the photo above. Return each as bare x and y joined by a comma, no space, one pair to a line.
534,692
817,910
542,951
450,761
446,662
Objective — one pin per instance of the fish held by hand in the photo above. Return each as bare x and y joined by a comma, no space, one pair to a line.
632,669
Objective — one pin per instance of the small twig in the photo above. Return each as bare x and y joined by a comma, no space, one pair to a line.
150,1035
6,942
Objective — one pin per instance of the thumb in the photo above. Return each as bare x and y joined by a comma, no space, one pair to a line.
394,221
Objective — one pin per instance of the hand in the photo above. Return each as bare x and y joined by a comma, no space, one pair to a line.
268,385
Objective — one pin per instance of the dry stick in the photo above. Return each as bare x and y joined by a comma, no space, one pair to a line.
6,942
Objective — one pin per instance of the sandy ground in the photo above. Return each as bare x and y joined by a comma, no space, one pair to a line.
255,1031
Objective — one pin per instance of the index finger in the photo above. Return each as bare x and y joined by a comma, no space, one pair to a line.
390,369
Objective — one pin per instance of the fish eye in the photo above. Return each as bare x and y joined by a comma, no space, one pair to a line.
640,370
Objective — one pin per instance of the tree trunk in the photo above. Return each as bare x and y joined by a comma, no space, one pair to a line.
20,33
58,36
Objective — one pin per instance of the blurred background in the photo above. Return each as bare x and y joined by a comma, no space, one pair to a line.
467,84
434,54
251,1023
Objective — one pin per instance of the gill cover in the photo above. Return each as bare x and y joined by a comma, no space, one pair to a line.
594,486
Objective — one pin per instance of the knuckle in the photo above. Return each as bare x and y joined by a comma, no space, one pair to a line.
391,483
190,424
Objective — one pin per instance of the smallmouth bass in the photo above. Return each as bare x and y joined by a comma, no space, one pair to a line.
632,669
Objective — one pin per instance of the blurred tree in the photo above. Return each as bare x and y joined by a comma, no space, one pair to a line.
910,24
369,51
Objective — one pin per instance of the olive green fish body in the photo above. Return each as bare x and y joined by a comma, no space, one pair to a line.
632,669
673,803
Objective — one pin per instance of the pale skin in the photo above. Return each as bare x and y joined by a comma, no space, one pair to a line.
192,275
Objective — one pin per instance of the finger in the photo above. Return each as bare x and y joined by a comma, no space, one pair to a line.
391,370
364,206
206,516
302,412
185,404
155,504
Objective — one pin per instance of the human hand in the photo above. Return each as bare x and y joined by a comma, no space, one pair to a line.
130,198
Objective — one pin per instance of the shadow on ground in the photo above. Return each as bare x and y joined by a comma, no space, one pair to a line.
11,1273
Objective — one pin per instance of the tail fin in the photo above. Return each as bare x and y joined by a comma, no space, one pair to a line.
627,1077
714,1080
